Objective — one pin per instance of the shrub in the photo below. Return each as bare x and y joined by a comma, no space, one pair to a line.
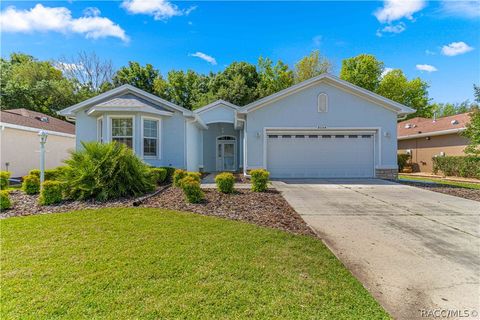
259,179
467,167
50,174
31,184
105,171
158,174
402,160
51,192
178,175
225,182
4,200
34,172
192,190
170,172
4,176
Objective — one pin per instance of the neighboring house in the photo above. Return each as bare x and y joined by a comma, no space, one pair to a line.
20,143
319,128
424,139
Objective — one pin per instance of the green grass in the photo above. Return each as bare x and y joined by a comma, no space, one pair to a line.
150,263
442,181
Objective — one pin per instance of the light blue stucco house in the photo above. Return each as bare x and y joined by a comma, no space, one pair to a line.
323,127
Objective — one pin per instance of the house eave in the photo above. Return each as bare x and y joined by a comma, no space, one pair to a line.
431,134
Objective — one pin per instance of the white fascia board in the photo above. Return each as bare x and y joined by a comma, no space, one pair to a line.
431,134
31,129
339,83
70,111
216,104
129,109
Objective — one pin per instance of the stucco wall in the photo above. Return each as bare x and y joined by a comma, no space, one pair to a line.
345,110
424,150
220,113
209,144
22,150
172,138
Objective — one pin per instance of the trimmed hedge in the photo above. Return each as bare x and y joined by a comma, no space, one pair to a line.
50,174
467,167
4,176
31,184
51,193
225,182
5,200
170,172
192,190
259,180
402,161
159,175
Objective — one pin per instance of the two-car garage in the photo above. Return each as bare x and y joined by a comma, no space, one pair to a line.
320,154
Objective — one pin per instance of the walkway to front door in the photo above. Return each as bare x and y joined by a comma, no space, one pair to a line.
226,153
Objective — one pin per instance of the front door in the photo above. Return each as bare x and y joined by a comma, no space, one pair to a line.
226,155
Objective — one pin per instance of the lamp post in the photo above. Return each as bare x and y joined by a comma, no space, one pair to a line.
43,139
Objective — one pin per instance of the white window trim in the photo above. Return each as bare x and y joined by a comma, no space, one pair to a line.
321,94
159,137
110,126
100,137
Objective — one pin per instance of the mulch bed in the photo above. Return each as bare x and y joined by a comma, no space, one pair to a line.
24,205
472,194
267,209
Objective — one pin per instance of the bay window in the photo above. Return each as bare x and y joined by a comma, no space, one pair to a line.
150,138
122,131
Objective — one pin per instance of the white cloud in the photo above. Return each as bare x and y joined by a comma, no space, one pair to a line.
205,57
385,71
467,9
430,53
59,19
456,48
317,40
426,67
397,28
159,9
397,9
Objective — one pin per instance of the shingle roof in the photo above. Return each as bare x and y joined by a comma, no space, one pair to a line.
33,119
420,125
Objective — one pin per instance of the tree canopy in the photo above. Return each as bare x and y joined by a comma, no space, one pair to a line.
49,86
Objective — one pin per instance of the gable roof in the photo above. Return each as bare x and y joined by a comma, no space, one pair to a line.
417,127
32,119
216,104
400,109
126,88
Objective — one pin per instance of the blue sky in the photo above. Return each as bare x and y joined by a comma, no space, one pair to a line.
442,38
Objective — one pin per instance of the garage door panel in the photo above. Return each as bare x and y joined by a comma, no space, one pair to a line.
322,156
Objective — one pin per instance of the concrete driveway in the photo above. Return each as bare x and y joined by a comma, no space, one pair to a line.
416,251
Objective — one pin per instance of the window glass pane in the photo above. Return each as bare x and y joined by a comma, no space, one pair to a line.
149,147
122,127
126,141
150,128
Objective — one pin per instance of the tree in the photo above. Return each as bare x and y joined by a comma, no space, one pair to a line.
35,85
88,70
363,70
473,133
183,88
476,93
311,66
395,86
450,109
141,77
273,78
236,84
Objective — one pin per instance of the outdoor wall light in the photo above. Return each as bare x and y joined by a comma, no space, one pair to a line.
258,134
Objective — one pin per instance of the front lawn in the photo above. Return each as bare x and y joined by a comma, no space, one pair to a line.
121,263
441,181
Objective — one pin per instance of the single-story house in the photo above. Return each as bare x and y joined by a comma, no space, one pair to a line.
323,127
425,139
20,143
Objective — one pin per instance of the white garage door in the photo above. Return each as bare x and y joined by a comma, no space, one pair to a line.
320,155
